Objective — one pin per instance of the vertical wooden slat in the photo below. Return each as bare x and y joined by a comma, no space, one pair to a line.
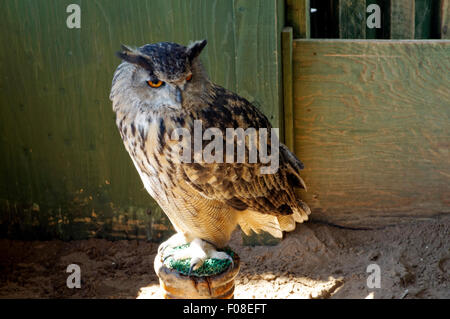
257,27
352,19
298,16
444,19
423,17
402,19
287,38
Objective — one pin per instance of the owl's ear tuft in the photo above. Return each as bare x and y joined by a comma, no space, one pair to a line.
126,48
195,49
131,56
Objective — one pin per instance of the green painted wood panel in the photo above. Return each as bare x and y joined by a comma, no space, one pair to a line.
257,28
64,172
372,127
352,19
402,19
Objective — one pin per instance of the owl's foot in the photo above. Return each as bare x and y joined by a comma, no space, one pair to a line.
174,241
199,251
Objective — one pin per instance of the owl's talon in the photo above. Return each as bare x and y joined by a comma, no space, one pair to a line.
232,261
162,248
174,241
195,264
167,257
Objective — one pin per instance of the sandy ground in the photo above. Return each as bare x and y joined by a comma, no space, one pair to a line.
314,261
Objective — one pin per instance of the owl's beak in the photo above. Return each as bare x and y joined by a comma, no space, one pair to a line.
178,95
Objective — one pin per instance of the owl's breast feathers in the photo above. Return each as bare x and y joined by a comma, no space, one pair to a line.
212,187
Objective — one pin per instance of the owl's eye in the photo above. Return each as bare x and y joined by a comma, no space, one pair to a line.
189,77
155,84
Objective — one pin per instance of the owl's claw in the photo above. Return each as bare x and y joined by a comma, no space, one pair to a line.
231,260
196,263
174,241
162,248
167,257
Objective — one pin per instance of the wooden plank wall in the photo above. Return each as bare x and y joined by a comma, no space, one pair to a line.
346,19
372,127
64,172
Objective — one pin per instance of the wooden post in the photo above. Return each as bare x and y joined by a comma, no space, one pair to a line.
444,19
297,16
403,19
175,285
287,38
352,19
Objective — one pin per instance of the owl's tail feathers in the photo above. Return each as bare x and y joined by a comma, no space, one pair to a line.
299,215
250,220
274,225
301,212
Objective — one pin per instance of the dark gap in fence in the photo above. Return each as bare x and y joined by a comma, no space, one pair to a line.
324,19
436,14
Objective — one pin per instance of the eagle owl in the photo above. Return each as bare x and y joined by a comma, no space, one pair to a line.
162,87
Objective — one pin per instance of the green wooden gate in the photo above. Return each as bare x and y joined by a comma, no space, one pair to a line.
370,116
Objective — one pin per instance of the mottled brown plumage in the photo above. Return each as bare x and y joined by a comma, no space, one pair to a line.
204,201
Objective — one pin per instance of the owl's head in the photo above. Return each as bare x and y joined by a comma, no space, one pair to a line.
159,75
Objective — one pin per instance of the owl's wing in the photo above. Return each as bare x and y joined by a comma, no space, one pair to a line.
244,185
